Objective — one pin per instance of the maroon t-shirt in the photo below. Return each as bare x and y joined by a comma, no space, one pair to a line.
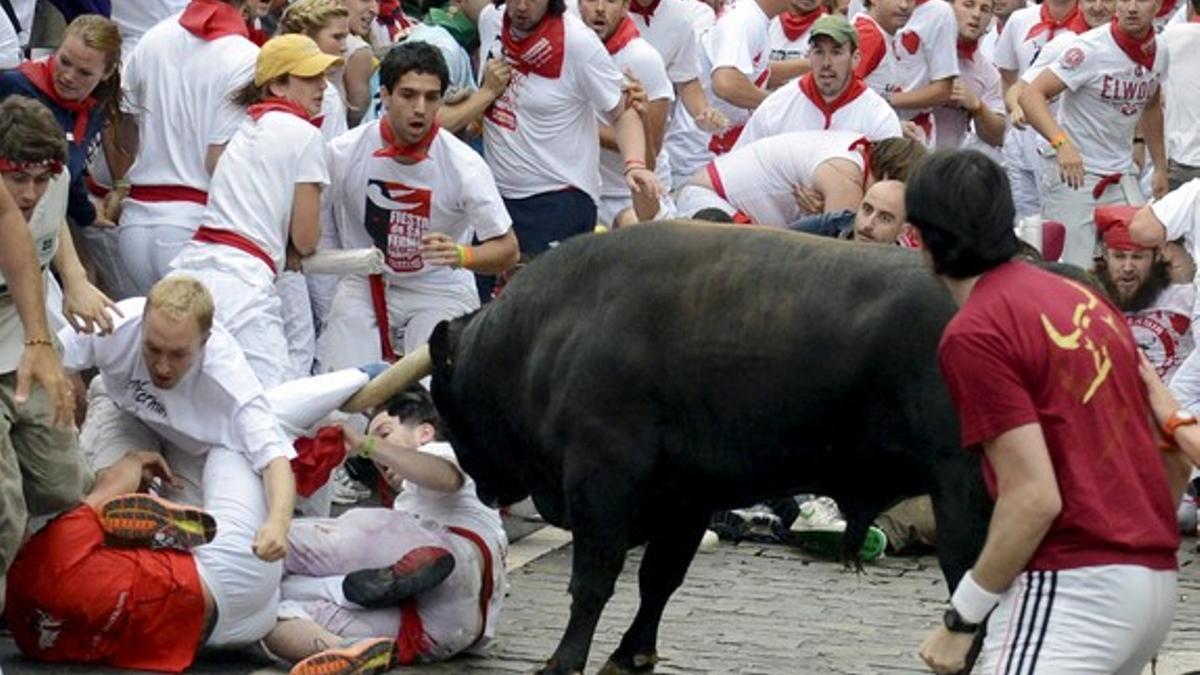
1033,347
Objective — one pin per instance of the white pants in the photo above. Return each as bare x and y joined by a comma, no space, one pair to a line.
351,335
297,321
1108,620
245,589
147,252
247,305
1075,209
322,551
1024,169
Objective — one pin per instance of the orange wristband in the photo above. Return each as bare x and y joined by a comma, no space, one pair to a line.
1059,142
466,256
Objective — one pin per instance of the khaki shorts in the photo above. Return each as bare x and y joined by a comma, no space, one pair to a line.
41,470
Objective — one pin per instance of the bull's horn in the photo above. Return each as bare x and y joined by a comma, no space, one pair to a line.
400,375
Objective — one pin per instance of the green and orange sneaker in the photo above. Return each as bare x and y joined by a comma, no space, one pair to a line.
146,521
365,657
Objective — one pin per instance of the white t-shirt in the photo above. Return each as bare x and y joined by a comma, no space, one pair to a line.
541,134
44,225
134,18
10,44
926,48
458,61
981,77
790,108
333,110
462,509
739,39
255,183
640,59
877,62
1182,93
179,86
25,10
782,48
1178,212
1163,331
686,144
219,402
670,31
1106,94
758,179
379,202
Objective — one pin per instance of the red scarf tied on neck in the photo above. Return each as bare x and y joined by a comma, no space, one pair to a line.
41,75
1047,23
795,25
540,52
808,85
276,104
212,19
966,49
416,152
644,12
1140,50
624,34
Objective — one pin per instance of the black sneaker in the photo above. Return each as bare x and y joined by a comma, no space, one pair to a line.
756,524
418,571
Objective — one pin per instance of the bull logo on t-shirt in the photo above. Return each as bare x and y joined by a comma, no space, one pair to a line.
397,217
1164,336
1080,335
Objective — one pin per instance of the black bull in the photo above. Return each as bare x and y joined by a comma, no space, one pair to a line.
634,382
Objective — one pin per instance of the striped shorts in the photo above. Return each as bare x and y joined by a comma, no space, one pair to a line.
1102,619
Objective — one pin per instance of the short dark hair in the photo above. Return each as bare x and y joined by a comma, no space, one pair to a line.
553,8
410,57
29,132
960,202
712,215
414,405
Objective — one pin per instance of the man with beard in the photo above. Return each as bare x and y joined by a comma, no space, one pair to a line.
1138,280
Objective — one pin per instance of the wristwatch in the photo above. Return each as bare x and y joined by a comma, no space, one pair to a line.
954,622
1179,418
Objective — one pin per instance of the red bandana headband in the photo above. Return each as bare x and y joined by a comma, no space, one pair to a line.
13,165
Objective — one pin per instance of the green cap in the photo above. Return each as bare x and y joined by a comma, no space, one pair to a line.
456,23
834,26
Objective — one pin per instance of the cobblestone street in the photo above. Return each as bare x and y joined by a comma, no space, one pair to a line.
745,609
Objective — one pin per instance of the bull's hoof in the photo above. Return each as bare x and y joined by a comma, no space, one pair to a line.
642,663
553,667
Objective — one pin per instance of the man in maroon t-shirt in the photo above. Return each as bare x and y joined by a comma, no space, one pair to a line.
1079,562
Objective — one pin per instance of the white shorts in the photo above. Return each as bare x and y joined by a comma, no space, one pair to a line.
322,551
351,336
247,305
298,323
1075,209
1108,619
244,587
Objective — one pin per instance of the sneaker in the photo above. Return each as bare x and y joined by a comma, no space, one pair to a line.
419,570
819,513
366,657
146,521
757,523
827,543
346,490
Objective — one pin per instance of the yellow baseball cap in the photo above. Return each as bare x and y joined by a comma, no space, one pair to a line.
291,54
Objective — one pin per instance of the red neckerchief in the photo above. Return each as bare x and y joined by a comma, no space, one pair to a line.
624,34
966,49
41,75
276,104
1047,23
644,12
1078,25
1140,50
541,52
794,25
863,146
808,85
391,16
870,45
416,152
212,19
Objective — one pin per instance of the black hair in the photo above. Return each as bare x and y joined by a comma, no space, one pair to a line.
1196,7
410,57
712,215
414,405
553,8
960,202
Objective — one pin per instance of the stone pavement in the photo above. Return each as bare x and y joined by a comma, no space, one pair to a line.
744,609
